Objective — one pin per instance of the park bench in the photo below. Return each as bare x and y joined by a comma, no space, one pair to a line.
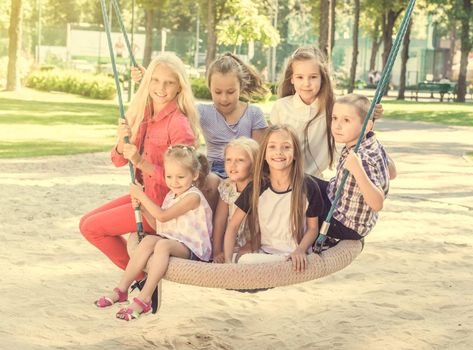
432,87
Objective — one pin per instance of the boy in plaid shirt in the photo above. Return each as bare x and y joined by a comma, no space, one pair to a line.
367,183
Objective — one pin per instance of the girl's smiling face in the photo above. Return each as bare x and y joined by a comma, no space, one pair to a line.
237,164
306,79
163,87
280,150
178,177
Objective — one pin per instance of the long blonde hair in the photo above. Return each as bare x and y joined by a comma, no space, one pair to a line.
261,176
325,97
185,99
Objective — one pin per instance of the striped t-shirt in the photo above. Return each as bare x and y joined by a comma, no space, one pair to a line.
218,133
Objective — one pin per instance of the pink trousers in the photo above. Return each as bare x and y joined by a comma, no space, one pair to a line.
104,227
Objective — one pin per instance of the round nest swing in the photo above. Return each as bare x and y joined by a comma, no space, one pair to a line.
257,276
263,275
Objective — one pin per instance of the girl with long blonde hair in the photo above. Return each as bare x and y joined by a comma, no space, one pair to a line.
161,114
283,204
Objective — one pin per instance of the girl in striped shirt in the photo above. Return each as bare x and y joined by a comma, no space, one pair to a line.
227,118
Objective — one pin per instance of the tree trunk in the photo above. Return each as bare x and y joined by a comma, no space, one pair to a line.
332,25
354,59
149,13
211,33
14,46
376,43
388,21
374,52
465,49
324,26
451,54
404,58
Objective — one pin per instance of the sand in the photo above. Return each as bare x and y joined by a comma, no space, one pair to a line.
411,288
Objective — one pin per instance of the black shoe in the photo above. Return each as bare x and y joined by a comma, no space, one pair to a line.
156,298
138,284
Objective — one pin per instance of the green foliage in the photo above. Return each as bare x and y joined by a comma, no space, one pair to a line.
200,89
341,78
243,23
23,65
95,86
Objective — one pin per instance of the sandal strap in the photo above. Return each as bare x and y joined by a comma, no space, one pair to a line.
127,314
122,296
103,302
144,306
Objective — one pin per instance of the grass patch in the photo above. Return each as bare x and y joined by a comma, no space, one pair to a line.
35,123
469,155
47,148
57,109
460,114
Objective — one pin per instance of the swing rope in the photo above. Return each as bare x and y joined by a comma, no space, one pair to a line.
380,89
139,221
125,35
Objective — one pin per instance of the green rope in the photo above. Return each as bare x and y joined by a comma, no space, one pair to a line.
385,77
125,35
139,221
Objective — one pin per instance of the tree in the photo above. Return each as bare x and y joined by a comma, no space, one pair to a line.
404,58
152,9
370,24
14,46
354,59
327,26
211,32
243,23
465,15
148,49
453,17
392,10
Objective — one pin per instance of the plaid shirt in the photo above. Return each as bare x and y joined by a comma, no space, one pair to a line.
352,211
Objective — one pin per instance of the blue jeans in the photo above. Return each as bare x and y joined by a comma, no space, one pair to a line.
218,167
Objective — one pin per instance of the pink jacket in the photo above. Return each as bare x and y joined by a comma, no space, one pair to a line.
168,127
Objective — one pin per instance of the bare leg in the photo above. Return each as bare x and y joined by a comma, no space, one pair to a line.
163,250
137,263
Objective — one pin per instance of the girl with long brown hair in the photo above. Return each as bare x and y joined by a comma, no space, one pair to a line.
283,204
306,99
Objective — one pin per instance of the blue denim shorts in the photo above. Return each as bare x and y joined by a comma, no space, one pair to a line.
218,167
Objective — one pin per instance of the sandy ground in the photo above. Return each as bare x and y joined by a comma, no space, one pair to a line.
411,288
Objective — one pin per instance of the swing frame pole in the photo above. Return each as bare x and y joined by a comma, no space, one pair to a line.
138,218
385,77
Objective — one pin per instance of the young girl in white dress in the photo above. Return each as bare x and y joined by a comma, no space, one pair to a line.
183,229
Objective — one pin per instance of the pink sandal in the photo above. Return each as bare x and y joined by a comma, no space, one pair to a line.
106,301
129,314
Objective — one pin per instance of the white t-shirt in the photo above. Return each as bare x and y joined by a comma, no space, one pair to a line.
274,214
293,111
